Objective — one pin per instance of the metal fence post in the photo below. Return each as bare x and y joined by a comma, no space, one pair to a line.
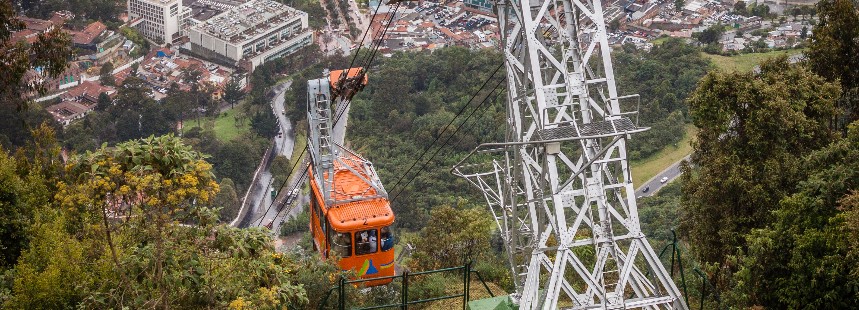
341,300
703,291
404,296
466,272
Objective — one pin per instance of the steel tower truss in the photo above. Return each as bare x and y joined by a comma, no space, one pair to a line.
560,187
327,156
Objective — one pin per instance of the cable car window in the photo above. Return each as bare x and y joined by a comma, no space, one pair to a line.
341,244
319,215
366,242
387,238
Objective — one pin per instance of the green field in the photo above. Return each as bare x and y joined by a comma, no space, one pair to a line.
298,148
660,40
644,169
745,62
224,126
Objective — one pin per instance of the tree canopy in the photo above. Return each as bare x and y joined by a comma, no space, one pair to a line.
130,227
754,129
834,52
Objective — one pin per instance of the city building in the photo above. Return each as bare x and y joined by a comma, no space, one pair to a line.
251,34
481,5
158,20
78,102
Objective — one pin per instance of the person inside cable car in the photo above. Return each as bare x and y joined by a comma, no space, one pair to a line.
387,239
372,241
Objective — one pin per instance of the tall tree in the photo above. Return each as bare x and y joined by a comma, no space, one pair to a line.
740,8
233,92
754,128
453,237
227,200
834,51
155,181
807,258
712,34
106,73
49,53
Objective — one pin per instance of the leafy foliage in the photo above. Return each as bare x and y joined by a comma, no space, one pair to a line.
755,127
453,238
233,92
50,53
834,52
227,200
295,224
104,10
115,231
803,258
663,78
712,34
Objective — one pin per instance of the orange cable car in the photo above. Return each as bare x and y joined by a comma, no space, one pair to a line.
350,212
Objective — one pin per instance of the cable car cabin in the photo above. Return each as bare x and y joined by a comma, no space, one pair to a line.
355,228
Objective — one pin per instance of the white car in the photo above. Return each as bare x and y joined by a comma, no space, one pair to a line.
663,180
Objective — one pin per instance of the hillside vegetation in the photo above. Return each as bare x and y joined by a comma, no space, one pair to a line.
412,97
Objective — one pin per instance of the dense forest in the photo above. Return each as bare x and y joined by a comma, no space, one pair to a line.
412,97
769,202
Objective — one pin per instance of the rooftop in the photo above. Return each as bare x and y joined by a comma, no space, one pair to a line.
202,10
89,89
86,36
246,21
27,35
38,25
67,110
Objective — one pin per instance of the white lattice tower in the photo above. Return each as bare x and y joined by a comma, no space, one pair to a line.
560,186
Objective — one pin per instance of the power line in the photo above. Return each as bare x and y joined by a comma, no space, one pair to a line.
384,32
446,127
445,142
369,26
343,111
300,181
282,185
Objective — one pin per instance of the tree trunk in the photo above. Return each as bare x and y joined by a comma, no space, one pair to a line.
110,245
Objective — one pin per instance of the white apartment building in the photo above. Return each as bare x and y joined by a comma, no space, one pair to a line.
160,19
252,33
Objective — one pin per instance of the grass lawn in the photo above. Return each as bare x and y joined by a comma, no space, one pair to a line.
300,144
224,126
660,40
745,62
644,169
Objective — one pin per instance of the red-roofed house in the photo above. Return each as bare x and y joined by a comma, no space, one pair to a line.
67,111
78,101
37,25
27,35
87,92
86,37
60,17
33,27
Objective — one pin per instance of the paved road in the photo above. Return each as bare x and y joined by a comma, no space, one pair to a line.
294,206
653,185
285,142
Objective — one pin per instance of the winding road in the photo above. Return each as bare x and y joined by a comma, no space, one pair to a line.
295,206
